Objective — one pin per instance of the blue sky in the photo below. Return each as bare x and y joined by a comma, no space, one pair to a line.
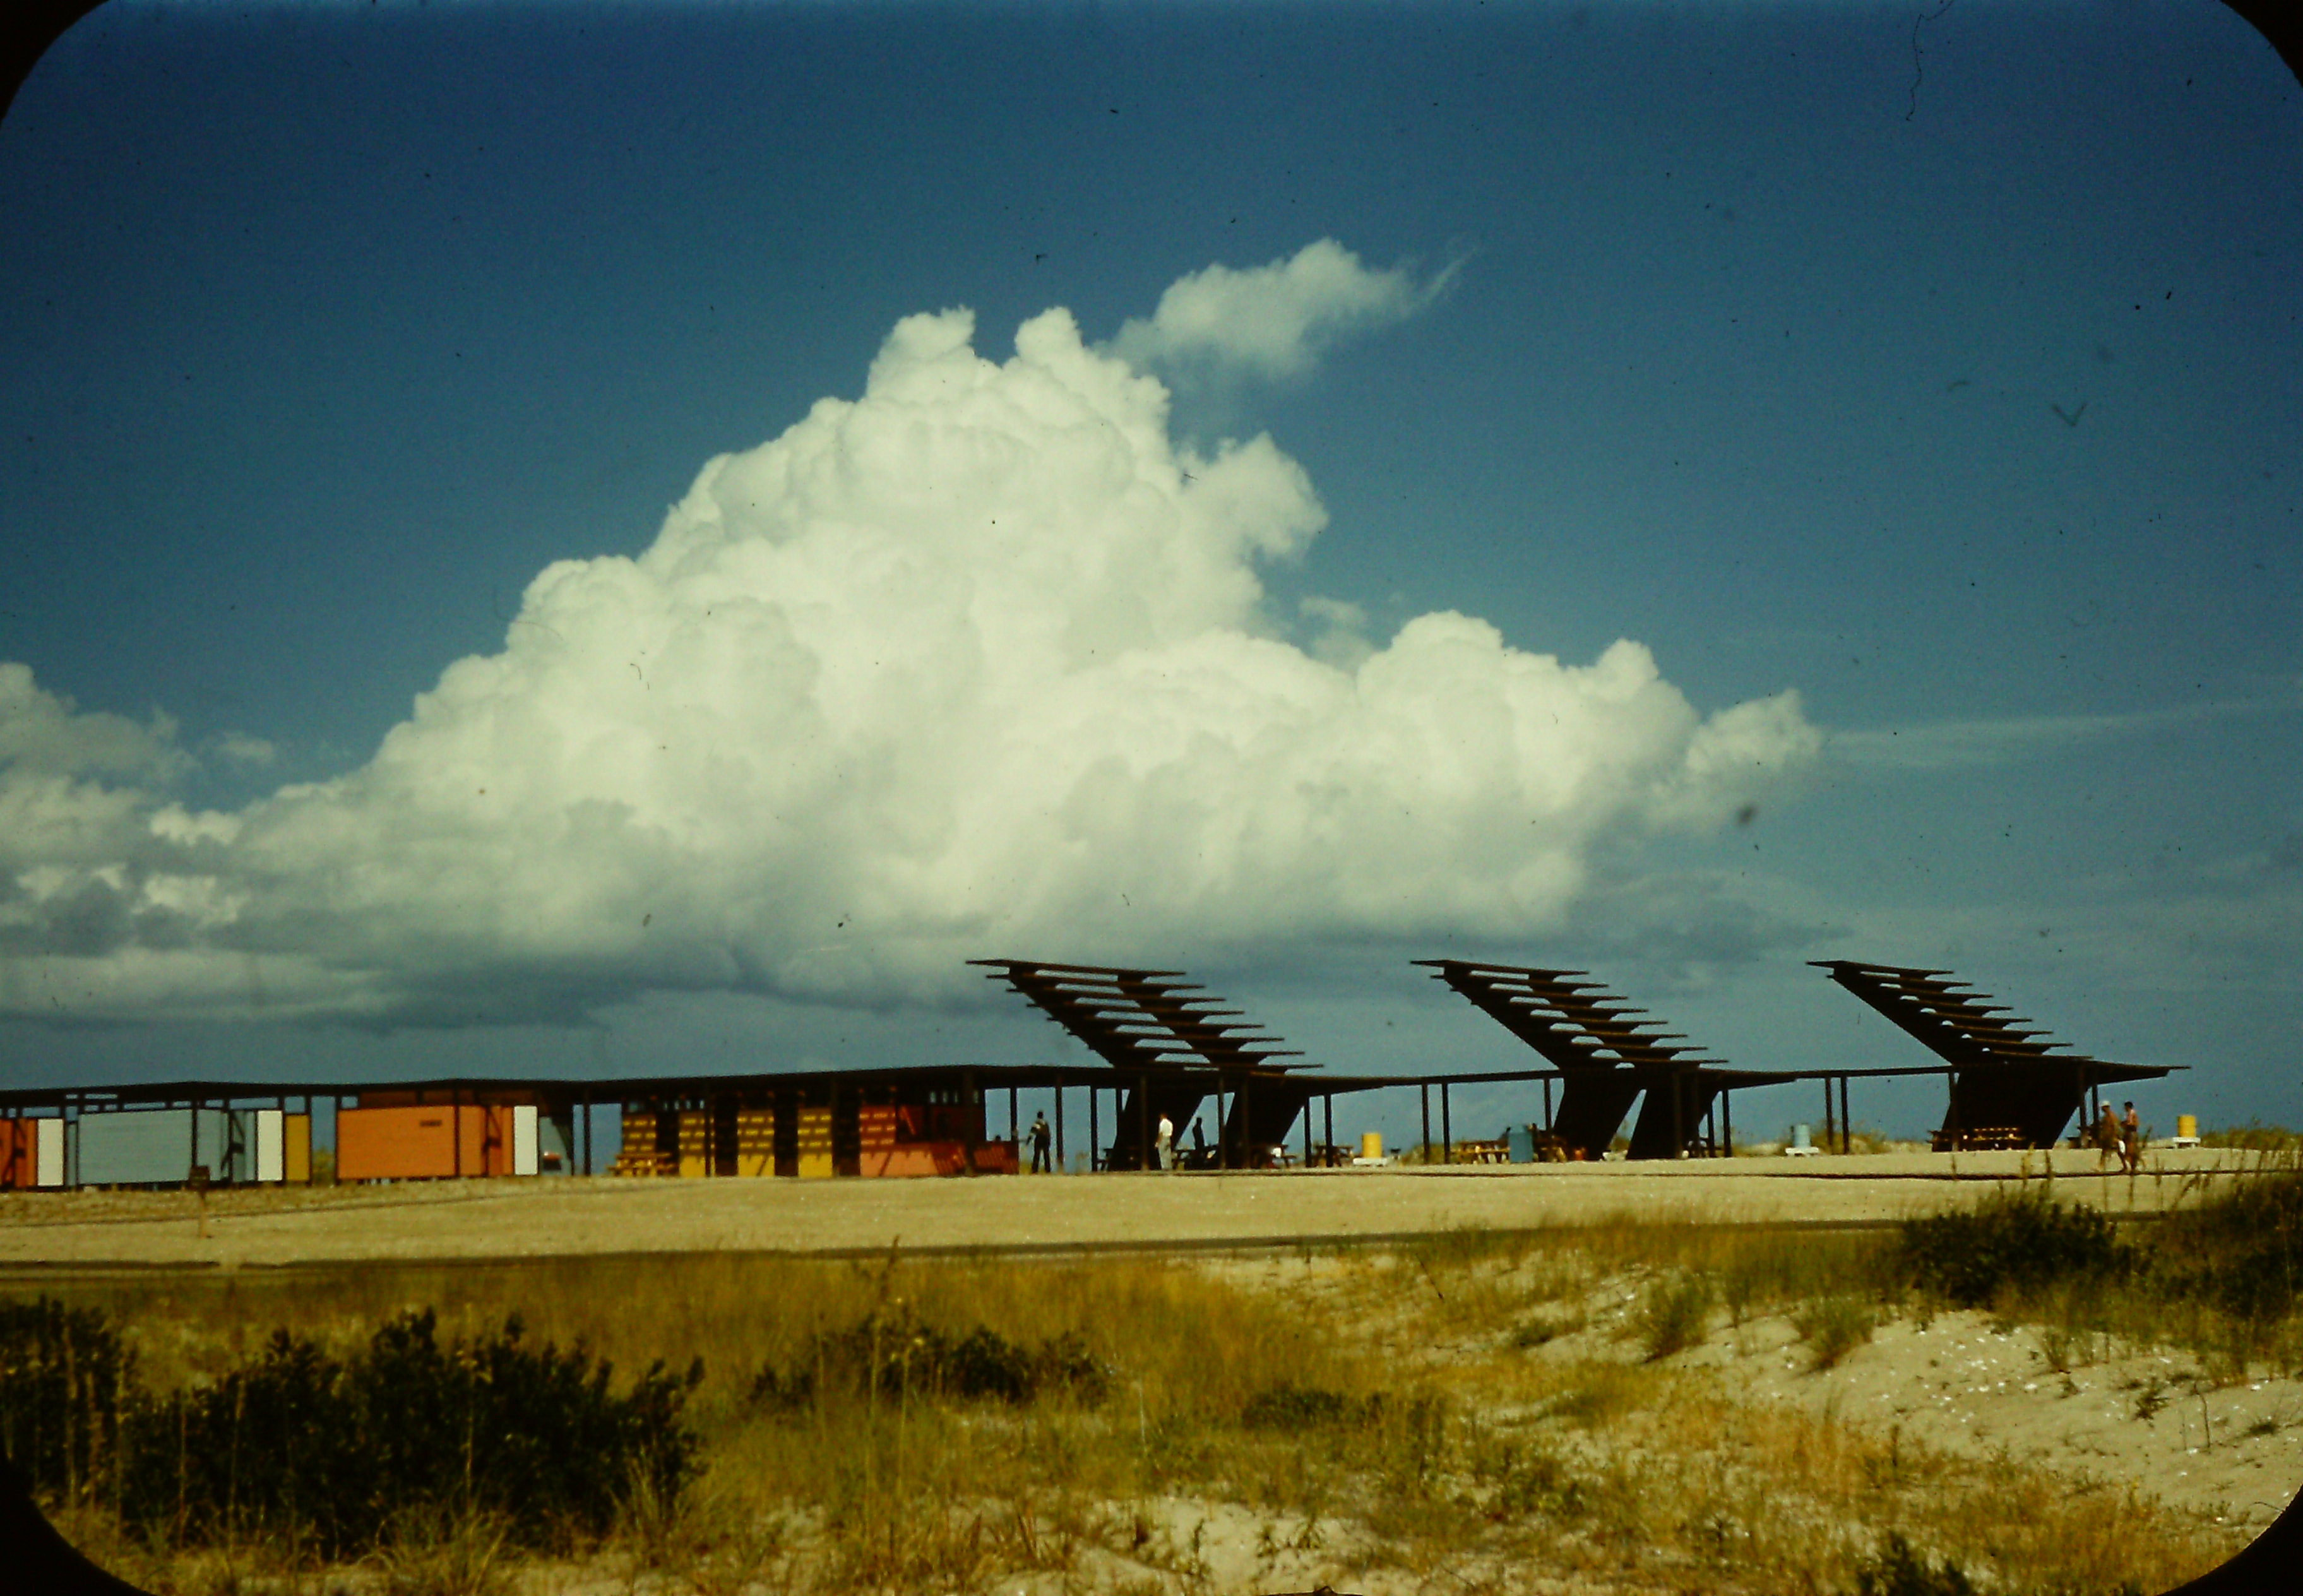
1960,402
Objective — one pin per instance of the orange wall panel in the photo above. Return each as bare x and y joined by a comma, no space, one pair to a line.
15,1155
422,1143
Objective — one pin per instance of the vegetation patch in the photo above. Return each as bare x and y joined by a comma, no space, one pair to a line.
1900,1571
2015,1243
1673,1314
1833,1327
340,1452
897,1356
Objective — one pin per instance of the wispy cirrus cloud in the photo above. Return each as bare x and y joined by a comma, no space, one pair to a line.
1951,745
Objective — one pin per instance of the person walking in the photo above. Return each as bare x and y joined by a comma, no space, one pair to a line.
1038,1136
2130,1143
2108,1138
1165,1150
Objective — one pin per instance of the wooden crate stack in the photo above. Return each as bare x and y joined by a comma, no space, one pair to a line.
875,1135
695,1144
755,1142
816,1143
644,1162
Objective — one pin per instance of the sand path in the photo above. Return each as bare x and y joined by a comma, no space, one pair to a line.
475,1220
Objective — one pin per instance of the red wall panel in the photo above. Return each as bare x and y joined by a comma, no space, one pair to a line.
15,1154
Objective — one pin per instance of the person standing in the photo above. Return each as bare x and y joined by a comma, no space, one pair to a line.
1038,1136
2106,1136
1165,1149
2131,1142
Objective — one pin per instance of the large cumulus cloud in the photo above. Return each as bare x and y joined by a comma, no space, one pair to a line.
976,663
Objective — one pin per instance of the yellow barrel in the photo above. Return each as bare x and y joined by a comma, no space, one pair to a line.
2187,1126
1372,1144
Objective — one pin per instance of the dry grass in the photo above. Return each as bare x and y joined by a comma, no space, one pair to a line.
1371,1420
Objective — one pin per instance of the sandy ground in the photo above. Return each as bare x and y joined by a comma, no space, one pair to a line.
2142,1420
2152,1421
473,1220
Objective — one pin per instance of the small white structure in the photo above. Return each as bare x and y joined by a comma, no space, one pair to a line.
270,1145
523,1138
48,1152
1803,1144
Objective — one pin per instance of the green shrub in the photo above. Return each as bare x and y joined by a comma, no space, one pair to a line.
1833,1327
2018,1242
1673,1314
899,1356
1537,1329
304,1447
63,1378
1292,1407
2242,1250
334,1450
1900,1571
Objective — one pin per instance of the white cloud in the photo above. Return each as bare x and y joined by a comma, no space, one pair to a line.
243,749
1954,745
1273,320
976,663
42,731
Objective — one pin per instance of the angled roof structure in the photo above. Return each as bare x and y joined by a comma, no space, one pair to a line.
2004,1075
1137,1020
1608,1050
1165,1033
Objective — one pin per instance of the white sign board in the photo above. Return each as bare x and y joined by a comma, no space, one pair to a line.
48,1154
523,1139
271,1144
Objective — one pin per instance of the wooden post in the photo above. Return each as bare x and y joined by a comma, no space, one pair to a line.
1095,1130
1546,1105
1331,1118
1307,1133
972,1119
1425,1090
1830,1126
1446,1128
1727,1121
1060,1124
1247,1159
1846,1121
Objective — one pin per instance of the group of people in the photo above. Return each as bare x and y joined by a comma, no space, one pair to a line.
2120,1138
1163,1150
